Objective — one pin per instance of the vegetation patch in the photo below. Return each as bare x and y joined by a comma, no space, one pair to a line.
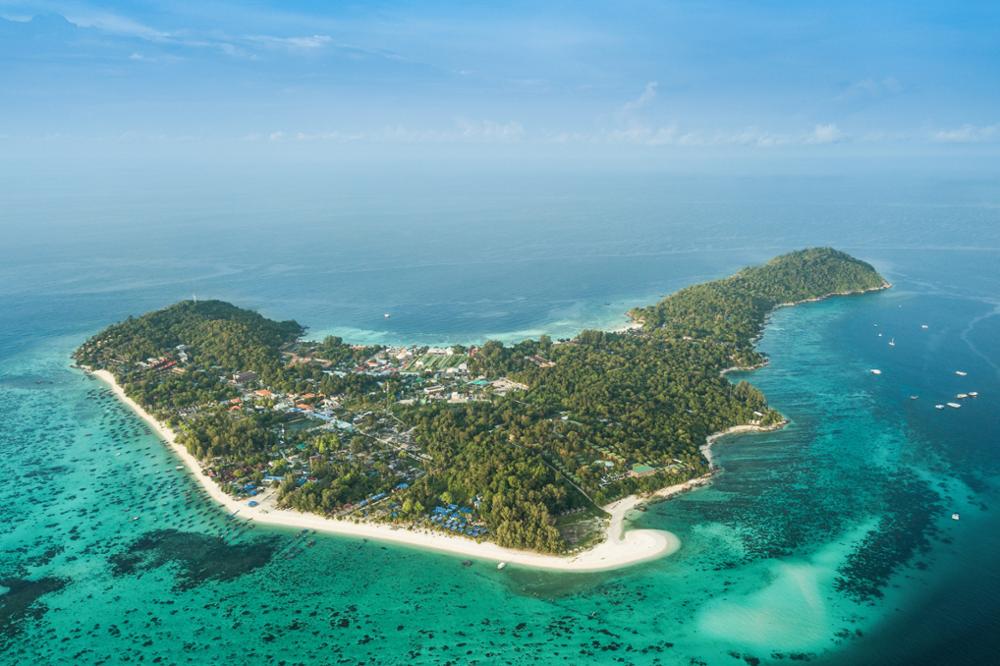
506,443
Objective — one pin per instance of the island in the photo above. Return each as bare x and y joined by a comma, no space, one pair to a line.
529,453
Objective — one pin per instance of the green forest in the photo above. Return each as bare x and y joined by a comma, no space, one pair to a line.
589,420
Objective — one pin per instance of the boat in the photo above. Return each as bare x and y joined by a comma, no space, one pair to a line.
961,373
892,342
954,405
914,397
501,565
386,315
961,396
880,335
876,371
179,467
924,326
955,516
939,406
973,394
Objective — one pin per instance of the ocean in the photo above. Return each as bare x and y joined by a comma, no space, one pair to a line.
830,541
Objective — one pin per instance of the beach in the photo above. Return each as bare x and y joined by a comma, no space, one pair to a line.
706,448
621,548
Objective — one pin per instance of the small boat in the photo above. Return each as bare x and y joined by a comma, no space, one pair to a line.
914,397
973,394
501,565
880,335
179,467
939,406
961,373
875,371
954,405
924,326
961,396
892,342
135,517
386,315
955,516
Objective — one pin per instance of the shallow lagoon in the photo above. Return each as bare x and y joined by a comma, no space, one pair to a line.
827,541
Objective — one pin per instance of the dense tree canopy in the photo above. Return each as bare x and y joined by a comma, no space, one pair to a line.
588,414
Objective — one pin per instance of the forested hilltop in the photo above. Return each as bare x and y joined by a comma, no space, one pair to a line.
518,444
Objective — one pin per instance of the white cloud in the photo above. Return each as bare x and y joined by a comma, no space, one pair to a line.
119,25
231,45
647,96
464,131
829,133
673,135
307,43
872,88
968,134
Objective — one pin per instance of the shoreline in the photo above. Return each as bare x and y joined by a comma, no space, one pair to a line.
619,549
706,448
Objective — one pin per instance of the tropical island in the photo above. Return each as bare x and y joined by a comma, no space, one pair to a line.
489,450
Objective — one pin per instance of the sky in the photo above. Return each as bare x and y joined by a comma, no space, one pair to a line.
681,83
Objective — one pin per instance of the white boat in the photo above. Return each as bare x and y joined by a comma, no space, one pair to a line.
386,315
892,342
939,406
955,516
954,405
880,335
501,565
875,371
961,373
914,397
961,396
923,326
973,394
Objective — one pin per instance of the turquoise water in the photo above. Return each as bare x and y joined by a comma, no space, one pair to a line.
829,541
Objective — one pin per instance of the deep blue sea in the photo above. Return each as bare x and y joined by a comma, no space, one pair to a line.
829,542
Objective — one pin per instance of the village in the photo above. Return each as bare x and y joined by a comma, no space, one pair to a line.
339,444
315,429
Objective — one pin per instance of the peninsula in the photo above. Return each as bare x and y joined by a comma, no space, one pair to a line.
530,453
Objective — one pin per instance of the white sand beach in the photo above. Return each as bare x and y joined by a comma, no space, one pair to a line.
621,548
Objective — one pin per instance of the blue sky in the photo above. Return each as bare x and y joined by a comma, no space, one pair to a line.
670,80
